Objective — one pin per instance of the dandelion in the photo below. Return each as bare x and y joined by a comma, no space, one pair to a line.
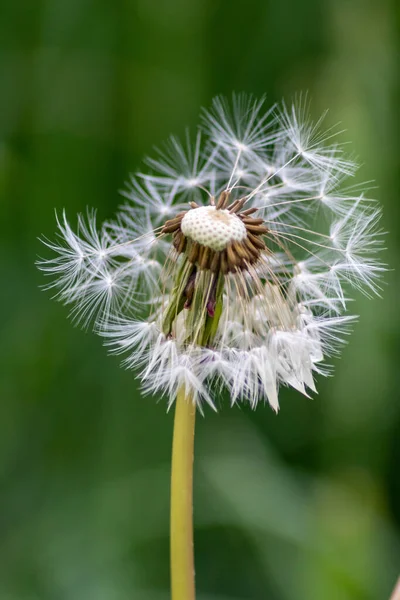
228,268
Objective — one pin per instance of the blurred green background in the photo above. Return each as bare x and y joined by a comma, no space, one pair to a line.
304,505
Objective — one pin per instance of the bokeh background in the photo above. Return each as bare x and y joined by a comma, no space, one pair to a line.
303,505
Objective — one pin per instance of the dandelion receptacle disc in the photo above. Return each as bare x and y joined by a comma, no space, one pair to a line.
213,228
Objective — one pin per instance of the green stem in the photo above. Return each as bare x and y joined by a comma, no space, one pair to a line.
182,561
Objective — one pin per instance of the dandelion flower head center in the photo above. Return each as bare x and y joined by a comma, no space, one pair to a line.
219,237
213,228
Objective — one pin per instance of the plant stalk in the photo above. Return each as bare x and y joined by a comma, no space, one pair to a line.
181,535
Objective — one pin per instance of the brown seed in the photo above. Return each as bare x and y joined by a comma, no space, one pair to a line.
255,253
224,262
203,263
200,254
232,206
222,200
248,211
177,239
258,243
240,250
257,229
173,224
239,205
233,258
177,218
189,290
215,262
193,252
171,227
182,244
193,204
251,221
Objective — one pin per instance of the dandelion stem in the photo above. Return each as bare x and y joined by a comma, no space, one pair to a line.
182,561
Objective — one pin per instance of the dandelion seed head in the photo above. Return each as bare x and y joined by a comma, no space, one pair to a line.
231,265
